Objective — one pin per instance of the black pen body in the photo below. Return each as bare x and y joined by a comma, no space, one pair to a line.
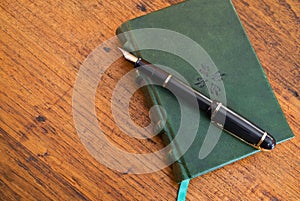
176,86
240,127
222,116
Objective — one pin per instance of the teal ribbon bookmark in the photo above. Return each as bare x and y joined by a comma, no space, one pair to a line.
183,190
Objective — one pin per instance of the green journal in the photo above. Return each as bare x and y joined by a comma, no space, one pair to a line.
227,57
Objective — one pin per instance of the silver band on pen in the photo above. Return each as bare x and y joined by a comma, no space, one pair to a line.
167,80
213,114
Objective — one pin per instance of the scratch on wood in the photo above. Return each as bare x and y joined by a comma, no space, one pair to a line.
23,135
128,171
141,7
44,130
295,93
41,118
31,158
44,154
106,49
245,3
22,165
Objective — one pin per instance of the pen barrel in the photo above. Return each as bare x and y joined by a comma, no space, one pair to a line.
240,127
222,116
173,84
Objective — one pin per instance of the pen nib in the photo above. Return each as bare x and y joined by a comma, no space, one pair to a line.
123,51
128,55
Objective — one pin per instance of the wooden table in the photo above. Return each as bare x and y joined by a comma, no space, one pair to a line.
43,44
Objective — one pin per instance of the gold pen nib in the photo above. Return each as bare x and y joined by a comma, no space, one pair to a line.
128,55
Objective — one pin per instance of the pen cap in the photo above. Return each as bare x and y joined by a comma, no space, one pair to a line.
240,127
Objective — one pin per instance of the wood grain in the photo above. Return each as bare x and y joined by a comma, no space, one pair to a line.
43,44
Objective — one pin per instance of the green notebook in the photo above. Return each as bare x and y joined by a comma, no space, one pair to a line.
215,26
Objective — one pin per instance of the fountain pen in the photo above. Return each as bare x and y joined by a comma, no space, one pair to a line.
219,114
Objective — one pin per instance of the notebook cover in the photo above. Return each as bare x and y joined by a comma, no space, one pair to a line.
216,27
